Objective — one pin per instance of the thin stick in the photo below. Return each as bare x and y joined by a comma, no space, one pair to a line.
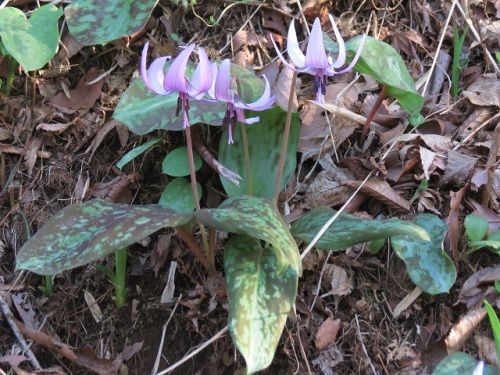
286,135
160,348
358,331
19,336
192,354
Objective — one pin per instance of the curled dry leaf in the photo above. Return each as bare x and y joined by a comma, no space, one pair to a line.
336,281
327,333
487,349
478,286
484,91
458,169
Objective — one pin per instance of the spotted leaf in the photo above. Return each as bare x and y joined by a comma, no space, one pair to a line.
100,21
461,363
429,267
348,230
257,218
382,62
260,299
81,233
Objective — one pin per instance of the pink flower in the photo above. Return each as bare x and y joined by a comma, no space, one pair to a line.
224,90
316,61
175,79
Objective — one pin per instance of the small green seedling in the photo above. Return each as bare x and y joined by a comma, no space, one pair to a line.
476,228
458,62
495,324
118,276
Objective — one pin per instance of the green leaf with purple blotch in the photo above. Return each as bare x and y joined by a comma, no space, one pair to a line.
31,42
143,111
382,62
93,22
264,143
81,233
348,230
257,218
429,267
260,299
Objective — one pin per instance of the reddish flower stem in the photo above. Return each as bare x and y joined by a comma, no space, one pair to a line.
376,106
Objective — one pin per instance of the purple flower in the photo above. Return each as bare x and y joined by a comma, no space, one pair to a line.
175,79
316,61
224,90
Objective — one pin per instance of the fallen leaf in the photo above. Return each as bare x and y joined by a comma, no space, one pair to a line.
328,359
327,333
484,91
427,159
458,168
336,281
92,304
463,329
168,292
487,349
478,286
283,87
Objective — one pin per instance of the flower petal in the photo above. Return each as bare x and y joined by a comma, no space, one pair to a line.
283,60
356,57
342,53
315,53
153,77
294,52
175,79
264,102
223,82
202,77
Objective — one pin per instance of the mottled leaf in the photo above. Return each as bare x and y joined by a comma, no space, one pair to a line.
382,62
260,299
348,230
429,267
81,233
31,42
178,195
264,141
461,363
100,21
258,218
143,111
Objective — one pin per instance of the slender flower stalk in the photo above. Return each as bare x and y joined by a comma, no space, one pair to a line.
316,61
224,89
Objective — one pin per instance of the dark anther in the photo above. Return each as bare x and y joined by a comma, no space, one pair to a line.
323,86
179,106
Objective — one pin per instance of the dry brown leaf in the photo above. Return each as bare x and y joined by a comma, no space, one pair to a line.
383,192
168,292
478,286
32,153
83,96
92,304
474,121
492,217
25,310
56,127
427,159
130,350
336,281
485,91
283,87
160,252
325,190
453,220
245,38
273,20
462,330
437,143
327,333
328,359
458,168
487,349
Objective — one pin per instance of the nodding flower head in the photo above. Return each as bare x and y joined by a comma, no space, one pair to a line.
175,79
316,61
224,90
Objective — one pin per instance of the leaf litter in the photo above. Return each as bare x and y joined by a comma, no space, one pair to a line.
65,135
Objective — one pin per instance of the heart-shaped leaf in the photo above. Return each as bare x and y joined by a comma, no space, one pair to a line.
429,267
81,233
461,363
143,111
176,163
100,21
178,195
348,230
257,218
264,143
31,42
382,62
260,299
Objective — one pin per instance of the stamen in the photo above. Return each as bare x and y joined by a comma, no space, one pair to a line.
179,106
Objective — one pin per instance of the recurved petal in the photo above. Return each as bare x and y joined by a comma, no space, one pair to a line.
175,78
315,53
342,53
223,82
356,57
154,76
202,77
264,102
294,52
